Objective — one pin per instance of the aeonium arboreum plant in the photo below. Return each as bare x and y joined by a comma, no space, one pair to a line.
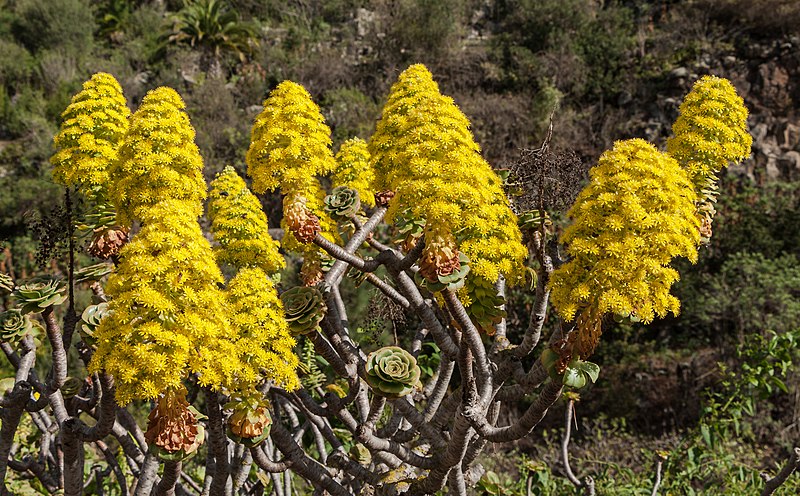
37,295
196,322
305,308
14,325
392,372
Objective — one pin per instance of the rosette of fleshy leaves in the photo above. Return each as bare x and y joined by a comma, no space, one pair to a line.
90,319
570,371
453,281
174,431
342,203
483,303
250,422
304,308
93,273
533,220
357,276
409,230
71,387
37,295
6,283
441,265
14,325
392,372
361,454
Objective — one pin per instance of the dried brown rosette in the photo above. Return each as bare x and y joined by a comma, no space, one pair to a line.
174,431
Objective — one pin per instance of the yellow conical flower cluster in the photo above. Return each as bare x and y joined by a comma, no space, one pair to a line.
158,158
92,128
290,147
262,345
630,221
711,130
424,151
168,316
261,334
240,225
354,170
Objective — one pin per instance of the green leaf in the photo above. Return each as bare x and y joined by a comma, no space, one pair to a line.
574,378
591,370
706,433
580,373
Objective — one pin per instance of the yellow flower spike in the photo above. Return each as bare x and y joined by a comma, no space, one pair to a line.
621,266
354,170
167,315
424,151
158,159
92,129
289,147
240,225
711,130
261,334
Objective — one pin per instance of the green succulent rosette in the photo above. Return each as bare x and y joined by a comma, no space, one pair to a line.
392,372
486,305
576,374
357,276
6,283
35,296
304,308
453,281
409,230
71,387
93,273
14,325
326,263
361,454
532,220
90,319
342,203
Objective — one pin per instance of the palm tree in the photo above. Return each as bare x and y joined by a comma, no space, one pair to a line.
212,26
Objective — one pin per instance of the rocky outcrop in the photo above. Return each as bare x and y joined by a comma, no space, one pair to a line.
767,76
